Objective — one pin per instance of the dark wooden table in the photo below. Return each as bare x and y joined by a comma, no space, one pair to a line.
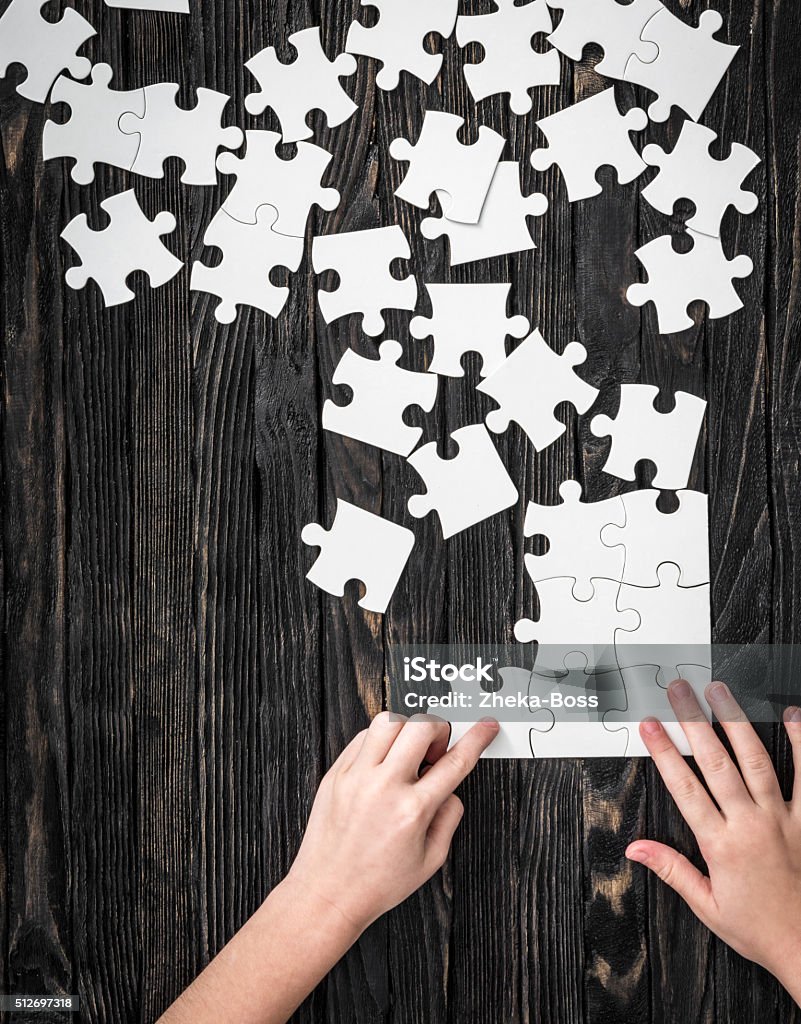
174,688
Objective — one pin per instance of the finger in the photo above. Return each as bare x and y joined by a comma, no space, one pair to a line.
691,798
753,760
440,832
453,767
420,734
384,730
720,772
792,723
676,871
350,752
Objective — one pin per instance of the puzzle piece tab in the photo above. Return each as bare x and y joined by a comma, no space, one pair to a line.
676,279
309,83
397,40
359,546
587,136
45,48
130,242
382,391
510,63
440,163
362,259
640,432
466,489
615,27
529,385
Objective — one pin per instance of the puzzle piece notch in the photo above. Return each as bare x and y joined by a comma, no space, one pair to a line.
382,391
130,242
291,187
617,28
362,546
648,537
195,135
640,432
574,531
689,66
589,135
439,163
92,135
397,40
466,489
250,253
44,48
510,63
468,318
676,279
502,227
310,82
529,385
688,171
362,260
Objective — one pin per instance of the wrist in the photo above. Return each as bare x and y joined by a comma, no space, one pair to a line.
301,899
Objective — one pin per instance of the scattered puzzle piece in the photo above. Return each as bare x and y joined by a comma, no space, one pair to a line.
615,27
510,63
440,163
250,252
382,391
362,259
468,318
689,172
466,489
93,135
502,227
676,279
45,48
640,432
649,537
689,66
529,385
587,136
168,6
309,83
397,40
130,242
359,546
576,549
291,187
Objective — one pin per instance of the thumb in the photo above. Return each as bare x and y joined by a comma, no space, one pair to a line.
440,832
676,871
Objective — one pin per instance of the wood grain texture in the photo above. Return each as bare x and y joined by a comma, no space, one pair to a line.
174,689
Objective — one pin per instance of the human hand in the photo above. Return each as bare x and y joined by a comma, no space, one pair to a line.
378,830
748,836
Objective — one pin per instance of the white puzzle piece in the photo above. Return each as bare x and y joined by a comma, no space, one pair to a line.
382,391
615,27
689,172
468,318
311,82
576,549
397,41
291,187
640,432
689,66
440,163
130,242
510,63
578,739
530,383
165,129
676,279
167,6
45,48
250,252
466,489
649,537
362,259
92,135
359,546
512,740
587,136
502,227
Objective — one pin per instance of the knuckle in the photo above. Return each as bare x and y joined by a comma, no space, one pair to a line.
460,761
717,763
687,789
757,762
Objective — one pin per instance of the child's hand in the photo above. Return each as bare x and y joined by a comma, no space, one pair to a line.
378,830
749,837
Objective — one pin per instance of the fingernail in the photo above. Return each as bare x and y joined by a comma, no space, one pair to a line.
489,720
718,691
792,715
651,726
680,688
638,855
